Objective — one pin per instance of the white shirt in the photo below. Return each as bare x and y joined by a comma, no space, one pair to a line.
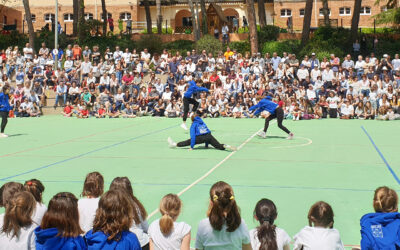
302,74
282,238
28,53
173,241
208,238
347,110
25,239
39,212
317,238
86,67
87,211
332,101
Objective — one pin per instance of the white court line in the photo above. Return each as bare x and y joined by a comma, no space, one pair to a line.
209,172
309,142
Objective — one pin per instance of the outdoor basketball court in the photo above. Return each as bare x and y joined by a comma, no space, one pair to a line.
331,160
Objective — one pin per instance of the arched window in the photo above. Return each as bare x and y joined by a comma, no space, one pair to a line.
49,17
344,11
187,21
286,12
125,16
68,17
301,12
33,17
365,10
88,16
321,12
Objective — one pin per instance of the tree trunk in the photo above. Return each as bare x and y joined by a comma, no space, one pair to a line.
81,24
194,24
148,17
75,7
306,22
261,13
105,15
159,17
28,17
198,19
203,17
325,11
355,20
251,17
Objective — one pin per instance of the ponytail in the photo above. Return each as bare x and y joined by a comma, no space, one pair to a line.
265,212
166,224
36,188
170,208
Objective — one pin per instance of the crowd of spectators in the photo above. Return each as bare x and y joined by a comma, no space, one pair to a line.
116,219
125,83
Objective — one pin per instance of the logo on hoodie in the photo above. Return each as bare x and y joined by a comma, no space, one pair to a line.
377,231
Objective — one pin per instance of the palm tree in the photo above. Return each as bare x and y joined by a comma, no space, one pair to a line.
105,15
306,22
203,17
251,17
325,12
28,17
159,17
75,7
148,16
194,23
355,20
261,13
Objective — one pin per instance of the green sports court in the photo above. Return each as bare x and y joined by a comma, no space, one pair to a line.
339,161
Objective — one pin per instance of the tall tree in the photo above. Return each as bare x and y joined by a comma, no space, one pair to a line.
261,13
28,17
75,10
355,20
198,18
81,24
251,17
325,12
148,17
105,16
194,23
203,17
306,22
159,17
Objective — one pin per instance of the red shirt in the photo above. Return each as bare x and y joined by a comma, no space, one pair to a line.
128,79
214,78
68,109
101,111
84,112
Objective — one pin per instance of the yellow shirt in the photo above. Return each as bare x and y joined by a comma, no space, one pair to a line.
228,54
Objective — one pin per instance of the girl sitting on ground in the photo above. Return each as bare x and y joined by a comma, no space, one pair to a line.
166,233
268,235
36,188
320,233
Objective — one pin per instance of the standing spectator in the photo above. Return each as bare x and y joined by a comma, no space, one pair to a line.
120,25
110,21
225,33
235,22
129,26
76,52
245,24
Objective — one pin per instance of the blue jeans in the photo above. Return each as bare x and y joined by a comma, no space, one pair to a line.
365,92
63,96
118,74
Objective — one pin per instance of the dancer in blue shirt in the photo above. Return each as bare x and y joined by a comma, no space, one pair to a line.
194,87
4,109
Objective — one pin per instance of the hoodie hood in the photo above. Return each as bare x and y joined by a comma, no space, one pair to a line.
192,83
198,120
268,97
380,230
98,240
48,239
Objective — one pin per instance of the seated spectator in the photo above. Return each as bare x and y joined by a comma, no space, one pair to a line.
68,110
60,225
172,110
320,233
113,111
101,112
346,110
93,188
380,230
166,233
36,188
128,112
216,230
114,217
8,190
268,235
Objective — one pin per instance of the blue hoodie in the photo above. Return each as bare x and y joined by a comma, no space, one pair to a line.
193,89
47,239
265,104
98,240
4,103
198,128
380,231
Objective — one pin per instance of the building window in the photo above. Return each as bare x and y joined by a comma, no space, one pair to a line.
68,17
48,18
344,11
109,15
187,21
384,8
302,11
365,10
286,12
33,17
321,12
125,16
88,16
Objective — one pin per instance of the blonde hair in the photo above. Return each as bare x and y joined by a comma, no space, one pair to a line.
385,200
170,208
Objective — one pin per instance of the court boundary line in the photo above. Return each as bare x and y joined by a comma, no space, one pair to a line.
209,171
87,153
381,155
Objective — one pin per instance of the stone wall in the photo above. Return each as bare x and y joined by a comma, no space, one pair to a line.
10,16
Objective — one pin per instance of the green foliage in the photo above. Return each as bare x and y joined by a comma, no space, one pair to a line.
289,46
389,46
154,30
268,33
391,16
379,31
241,47
13,39
210,44
180,45
152,42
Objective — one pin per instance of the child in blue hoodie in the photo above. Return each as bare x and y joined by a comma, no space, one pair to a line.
194,87
111,225
381,230
199,134
270,110
60,225
4,109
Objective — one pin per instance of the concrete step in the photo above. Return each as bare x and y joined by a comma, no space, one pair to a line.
49,110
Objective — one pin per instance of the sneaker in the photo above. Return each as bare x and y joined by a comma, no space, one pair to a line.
183,125
230,148
262,134
290,136
171,143
2,135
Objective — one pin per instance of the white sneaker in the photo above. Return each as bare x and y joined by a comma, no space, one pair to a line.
230,148
262,134
290,136
2,135
183,125
171,143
